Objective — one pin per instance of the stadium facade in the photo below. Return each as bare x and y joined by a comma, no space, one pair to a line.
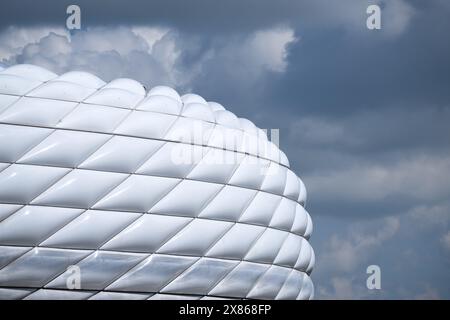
111,192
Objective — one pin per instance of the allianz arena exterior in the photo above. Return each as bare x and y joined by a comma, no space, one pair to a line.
109,192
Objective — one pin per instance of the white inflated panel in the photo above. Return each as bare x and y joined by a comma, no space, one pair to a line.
151,195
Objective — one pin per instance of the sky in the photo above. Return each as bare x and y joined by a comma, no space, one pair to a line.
364,115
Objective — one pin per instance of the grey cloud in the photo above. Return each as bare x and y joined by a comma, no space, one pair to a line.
108,53
412,258
376,131
345,255
446,240
206,16
169,58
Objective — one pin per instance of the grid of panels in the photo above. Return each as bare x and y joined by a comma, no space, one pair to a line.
94,174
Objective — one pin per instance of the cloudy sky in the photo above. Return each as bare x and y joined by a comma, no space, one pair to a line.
364,115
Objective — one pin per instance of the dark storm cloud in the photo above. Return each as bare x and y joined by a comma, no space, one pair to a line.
332,72
198,15
338,65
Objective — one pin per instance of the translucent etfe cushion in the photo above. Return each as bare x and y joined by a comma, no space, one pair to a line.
270,283
91,229
267,246
80,188
187,198
6,101
160,103
61,90
82,78
229,204
37,111
99,269
48,294
94,118
200,277
133,194
152,274
31,225
292,286
115,97
105,295
240,281
16,140
16,85
146,124
8,209
196,238
10,253
22,183
236,242
121,154
147,233
38,266
29,71
14,293
64,148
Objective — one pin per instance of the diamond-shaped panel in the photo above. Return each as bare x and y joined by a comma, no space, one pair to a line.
149,195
